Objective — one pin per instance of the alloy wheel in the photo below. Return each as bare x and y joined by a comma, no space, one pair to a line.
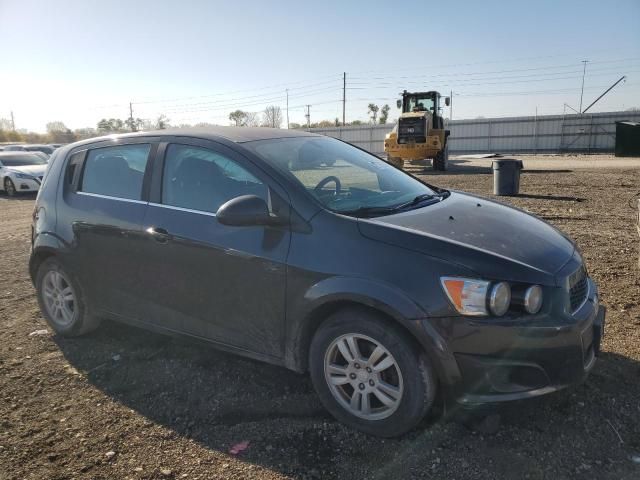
363,376
9,187
59,298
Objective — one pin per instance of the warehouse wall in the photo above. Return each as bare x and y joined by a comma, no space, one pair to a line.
544,134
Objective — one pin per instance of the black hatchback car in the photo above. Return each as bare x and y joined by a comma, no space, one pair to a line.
304,251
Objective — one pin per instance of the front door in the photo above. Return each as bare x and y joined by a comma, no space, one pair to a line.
223,283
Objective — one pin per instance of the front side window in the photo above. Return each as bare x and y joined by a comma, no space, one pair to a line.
343,178
116,171
200,179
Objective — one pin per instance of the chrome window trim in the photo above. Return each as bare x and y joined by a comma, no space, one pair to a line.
109,197
182,209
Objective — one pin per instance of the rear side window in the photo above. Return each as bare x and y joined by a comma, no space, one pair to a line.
116,171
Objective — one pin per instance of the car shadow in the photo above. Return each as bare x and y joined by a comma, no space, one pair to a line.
20,196
219,399
454,167
551,197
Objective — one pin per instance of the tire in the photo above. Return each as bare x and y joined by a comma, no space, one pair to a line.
70,316
441,160
396,162
406,370
9,187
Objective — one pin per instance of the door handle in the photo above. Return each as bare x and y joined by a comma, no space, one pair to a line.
159,234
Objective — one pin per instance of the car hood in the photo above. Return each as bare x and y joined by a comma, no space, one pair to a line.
35,170
487,237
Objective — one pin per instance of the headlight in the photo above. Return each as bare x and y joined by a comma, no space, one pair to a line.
469,296
533,299
477,297
500,298
22,175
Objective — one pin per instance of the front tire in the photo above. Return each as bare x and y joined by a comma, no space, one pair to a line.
61,301
369,374
9,187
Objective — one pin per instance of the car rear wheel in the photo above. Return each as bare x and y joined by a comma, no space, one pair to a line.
61,301
369,374
9,187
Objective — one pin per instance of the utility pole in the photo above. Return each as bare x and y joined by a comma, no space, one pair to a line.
308,115
131,123
13,122
287,109
451,105
344,97
584,70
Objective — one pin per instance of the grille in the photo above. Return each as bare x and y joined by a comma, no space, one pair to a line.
411,129
578,288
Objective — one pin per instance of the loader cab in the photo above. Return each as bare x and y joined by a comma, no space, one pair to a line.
421,102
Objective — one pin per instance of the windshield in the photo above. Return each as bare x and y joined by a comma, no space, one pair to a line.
420,104
22,160
341,177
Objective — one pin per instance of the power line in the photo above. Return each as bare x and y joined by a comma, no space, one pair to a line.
279,86
613,70
514,60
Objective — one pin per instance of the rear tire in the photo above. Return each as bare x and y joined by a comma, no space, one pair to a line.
61,301
440,162
385,366
9,187
396,162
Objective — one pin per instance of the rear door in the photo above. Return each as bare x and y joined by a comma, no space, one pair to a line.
104,205
223,283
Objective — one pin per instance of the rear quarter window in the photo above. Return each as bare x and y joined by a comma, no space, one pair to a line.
115,171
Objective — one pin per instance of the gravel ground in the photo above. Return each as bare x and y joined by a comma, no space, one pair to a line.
123,403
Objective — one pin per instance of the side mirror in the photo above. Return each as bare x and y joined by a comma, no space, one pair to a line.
243,211
447,101
399,103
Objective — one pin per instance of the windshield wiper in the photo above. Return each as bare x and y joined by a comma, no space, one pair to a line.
418,200
369,211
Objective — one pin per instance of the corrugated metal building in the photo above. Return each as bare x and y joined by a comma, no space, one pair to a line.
544,134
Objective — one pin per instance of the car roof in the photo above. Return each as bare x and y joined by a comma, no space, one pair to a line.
17,153
233,134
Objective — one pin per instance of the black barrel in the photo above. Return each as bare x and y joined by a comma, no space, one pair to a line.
506,176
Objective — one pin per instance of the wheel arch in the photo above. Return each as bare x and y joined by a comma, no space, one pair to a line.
384,300
45,245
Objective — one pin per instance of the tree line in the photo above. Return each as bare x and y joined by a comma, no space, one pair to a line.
272,116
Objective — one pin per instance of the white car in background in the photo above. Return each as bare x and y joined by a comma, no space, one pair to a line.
21,172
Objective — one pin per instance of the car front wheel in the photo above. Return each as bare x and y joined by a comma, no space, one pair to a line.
369,374
9,187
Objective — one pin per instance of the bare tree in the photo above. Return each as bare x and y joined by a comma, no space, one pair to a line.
373,111
162,122
272,117
252,119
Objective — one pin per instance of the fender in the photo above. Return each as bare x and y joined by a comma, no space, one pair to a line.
44,244
324,297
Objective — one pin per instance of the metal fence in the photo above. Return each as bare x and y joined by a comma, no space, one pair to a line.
588,133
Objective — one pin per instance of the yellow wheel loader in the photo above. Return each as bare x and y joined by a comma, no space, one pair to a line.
419,133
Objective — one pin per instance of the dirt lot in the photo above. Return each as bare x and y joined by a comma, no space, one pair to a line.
124,403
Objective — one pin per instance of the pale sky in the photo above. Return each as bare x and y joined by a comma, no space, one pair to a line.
196,60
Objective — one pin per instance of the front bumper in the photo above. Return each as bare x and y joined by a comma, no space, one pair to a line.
26,184
511,360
